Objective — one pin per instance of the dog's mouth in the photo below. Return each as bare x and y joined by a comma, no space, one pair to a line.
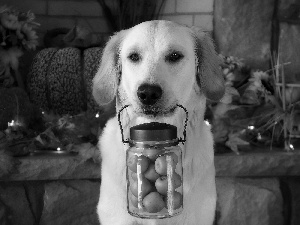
153,111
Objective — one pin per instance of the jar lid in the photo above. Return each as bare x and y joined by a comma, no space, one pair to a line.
153,131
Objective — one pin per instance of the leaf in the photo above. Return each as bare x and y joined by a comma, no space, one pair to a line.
47,139
220,130
230,92
273,100
87,151
234,141
250,97
221,109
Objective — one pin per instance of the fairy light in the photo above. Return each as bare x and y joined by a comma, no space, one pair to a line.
259,136
251,127
97,115
14,125
291,147
58,149
11,124
207,122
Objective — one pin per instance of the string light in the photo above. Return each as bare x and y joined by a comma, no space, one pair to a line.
11,124
58,149
207,122
251,127
97,115
291,147
259,136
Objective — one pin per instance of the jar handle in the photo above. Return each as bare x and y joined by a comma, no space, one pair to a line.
182,140
120,123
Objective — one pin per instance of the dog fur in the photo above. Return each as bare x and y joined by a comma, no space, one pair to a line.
143,55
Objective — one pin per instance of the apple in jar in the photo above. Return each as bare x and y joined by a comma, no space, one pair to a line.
152,153
150,173
161,183
153,202
177,200
146,187
134,176
133,200
133,160
161,165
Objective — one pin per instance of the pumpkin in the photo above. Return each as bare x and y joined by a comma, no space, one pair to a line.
60,80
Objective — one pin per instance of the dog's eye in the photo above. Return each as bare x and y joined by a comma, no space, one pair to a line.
174,57
134,57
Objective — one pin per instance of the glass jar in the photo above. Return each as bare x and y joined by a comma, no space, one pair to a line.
154,171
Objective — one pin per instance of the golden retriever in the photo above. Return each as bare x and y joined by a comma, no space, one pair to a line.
153,67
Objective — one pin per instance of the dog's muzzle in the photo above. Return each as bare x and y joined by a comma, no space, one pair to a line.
149,94
157,111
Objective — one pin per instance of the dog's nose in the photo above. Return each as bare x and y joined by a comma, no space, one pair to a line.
149,94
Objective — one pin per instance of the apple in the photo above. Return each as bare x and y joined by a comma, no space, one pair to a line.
150,173
133,200
177,200
134,176
152,153
161,183
174,157
146,188
161,163
153,202
177,180
133,160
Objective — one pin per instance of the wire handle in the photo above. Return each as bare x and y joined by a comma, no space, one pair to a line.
120,123
185,124
182,140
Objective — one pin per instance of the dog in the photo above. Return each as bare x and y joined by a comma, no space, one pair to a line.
153,67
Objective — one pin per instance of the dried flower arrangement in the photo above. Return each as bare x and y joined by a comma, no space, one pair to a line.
54,133
17,35
58,135
259,108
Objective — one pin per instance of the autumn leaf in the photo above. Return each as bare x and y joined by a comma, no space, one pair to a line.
87,151
234,141
230,92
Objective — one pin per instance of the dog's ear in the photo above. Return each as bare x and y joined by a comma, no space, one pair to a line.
209,74
106,81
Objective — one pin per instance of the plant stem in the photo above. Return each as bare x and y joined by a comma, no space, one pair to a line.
19,79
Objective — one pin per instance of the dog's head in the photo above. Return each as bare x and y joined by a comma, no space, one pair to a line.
156,65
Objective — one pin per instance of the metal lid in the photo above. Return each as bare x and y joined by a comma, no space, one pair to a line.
153,131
